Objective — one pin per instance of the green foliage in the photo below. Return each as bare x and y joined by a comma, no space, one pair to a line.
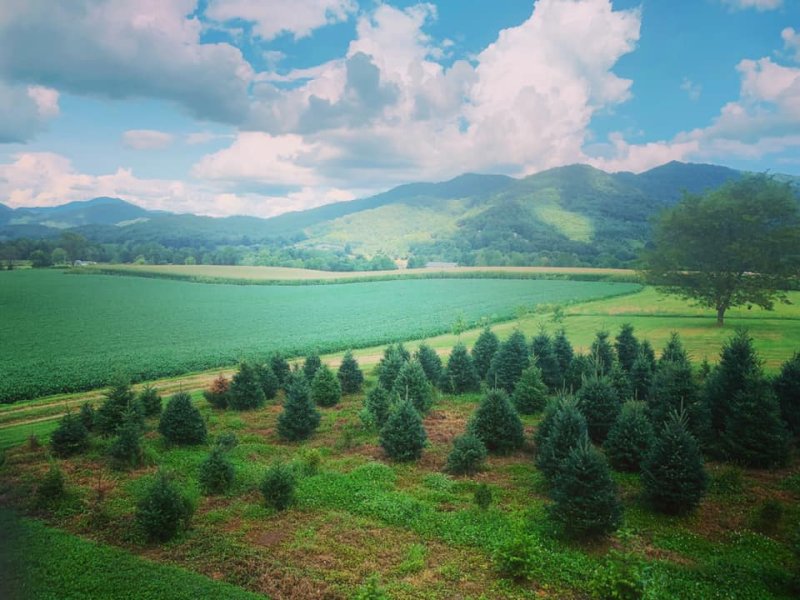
127,450
586,504
350,376
280,367
581,368
215,474
181,422
621,382
641,377
627,347
226,441
630,438
51,489
217,394
371,590
600,404
299,418
546,424
674,389
403,437
516,556
246,391
163,511
151,401
87,415
508,363
70,437
530,393
544,356
673,475
309,461
467,455
461,376
496,423
377,406
482,496
619,577
431,363
411,384
768,517
674,351
278,486
565,431
325,387
389,366
602,353
787,389
267,379
310,365
564,354
112,412
484,350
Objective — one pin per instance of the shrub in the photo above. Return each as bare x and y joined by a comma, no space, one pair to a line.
300,417
371,590
482,496
619,577
310,461
217,394
51,489
377,406
278,486
325,387
390,365
112,412
280,367
350,376
70,437
484,350
630,438
467,455
163,511
87,416
431,363
530,394
516,557
227,441
267,380
216,473
411,384
508,363
403,436
245,391
127,448
181,422
461,375
310,366
599,403
787,389
496,423
151,401
566,431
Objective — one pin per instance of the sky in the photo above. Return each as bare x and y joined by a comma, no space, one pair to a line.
259,107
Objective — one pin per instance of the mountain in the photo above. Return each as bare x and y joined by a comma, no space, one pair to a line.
98,211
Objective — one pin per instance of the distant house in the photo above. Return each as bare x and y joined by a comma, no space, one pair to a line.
83,263
440,265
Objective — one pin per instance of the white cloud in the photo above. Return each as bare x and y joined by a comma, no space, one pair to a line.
759,5
146,139
25,111
692,89
791,43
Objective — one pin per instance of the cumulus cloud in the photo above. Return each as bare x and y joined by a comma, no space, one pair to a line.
692,89
791,43
759,5
25,111
146,139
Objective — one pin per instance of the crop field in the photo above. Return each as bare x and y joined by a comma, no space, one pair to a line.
65,333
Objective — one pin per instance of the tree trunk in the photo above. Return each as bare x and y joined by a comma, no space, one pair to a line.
720,316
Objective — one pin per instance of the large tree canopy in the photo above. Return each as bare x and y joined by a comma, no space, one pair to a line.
739,244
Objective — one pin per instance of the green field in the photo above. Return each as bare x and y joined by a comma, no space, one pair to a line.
66,333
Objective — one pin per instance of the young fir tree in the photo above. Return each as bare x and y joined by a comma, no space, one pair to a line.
649,354
412,385
621,382
150,400
403,351
87,416
641,377
630,438
310,365
599,403
217,394
300,417
674,389
483,351
377,406
280,367
181,422
530,395
581,367
566,430
602,353
586,504
787,389
267,380
431,363
350,376
673,475
278,486
163,511
548,418
127,451
390,365
467,455
674,351
325,387
461,376
509,362
403,436
215,474
496,423
70,437
245,391
111,413
627,347
755,434
544,357
564,354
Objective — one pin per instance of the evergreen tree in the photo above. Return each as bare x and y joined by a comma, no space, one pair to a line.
580,368
150,400
403,436
483,351
350,376
431,363
544,357
754,434
278,485
245,391
673,390
377,406
267,380
215,474
530,395
586,503
403,351
112,412
217,394
564,354
467,455
163,511
70,437
390,365
496,423
641,376
627,347
673,475
325,388
461,376
127,450
181,422
412,385
280,367
87,416
621,382
566,430
674,351
310,366
599,403
630,438
602,353
787,389
649,354
548,418
509,362
300,417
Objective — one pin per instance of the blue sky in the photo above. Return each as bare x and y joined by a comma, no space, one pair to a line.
262,106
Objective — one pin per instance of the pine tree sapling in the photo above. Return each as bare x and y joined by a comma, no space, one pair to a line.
483,351
621,382
627,347
111,413
151,401
566,431
641,377
602,353
508,363
226,441
483,496
403,436
280,367
674,389
461,375
310,365
496,423
52,487
245,391
585,500
431,363
564,355
163,511
530,394
600,404
87,415
350,376
787,389
630,438
278,486
389,366
544,357
127,450
649,354
216,473
377,406
300,418
673,475
325,387
268,380
217,394
181,422
70,437
412,384
467,455
548,418
674,350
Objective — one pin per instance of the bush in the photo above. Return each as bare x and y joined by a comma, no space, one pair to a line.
216,473
227,441
496,423
403,436
325,387
377,406
300,417
217,394
517,557
245,391
630,438
371,590
181,422
87,416
163,511
599,403
508,363
70,437
461,376
619,577
431,363
482,496
787,389
530,394
151,401
483,351
467,455
267,380
350,376
51,489
127,450
278,486
411,384
310,366
310,461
